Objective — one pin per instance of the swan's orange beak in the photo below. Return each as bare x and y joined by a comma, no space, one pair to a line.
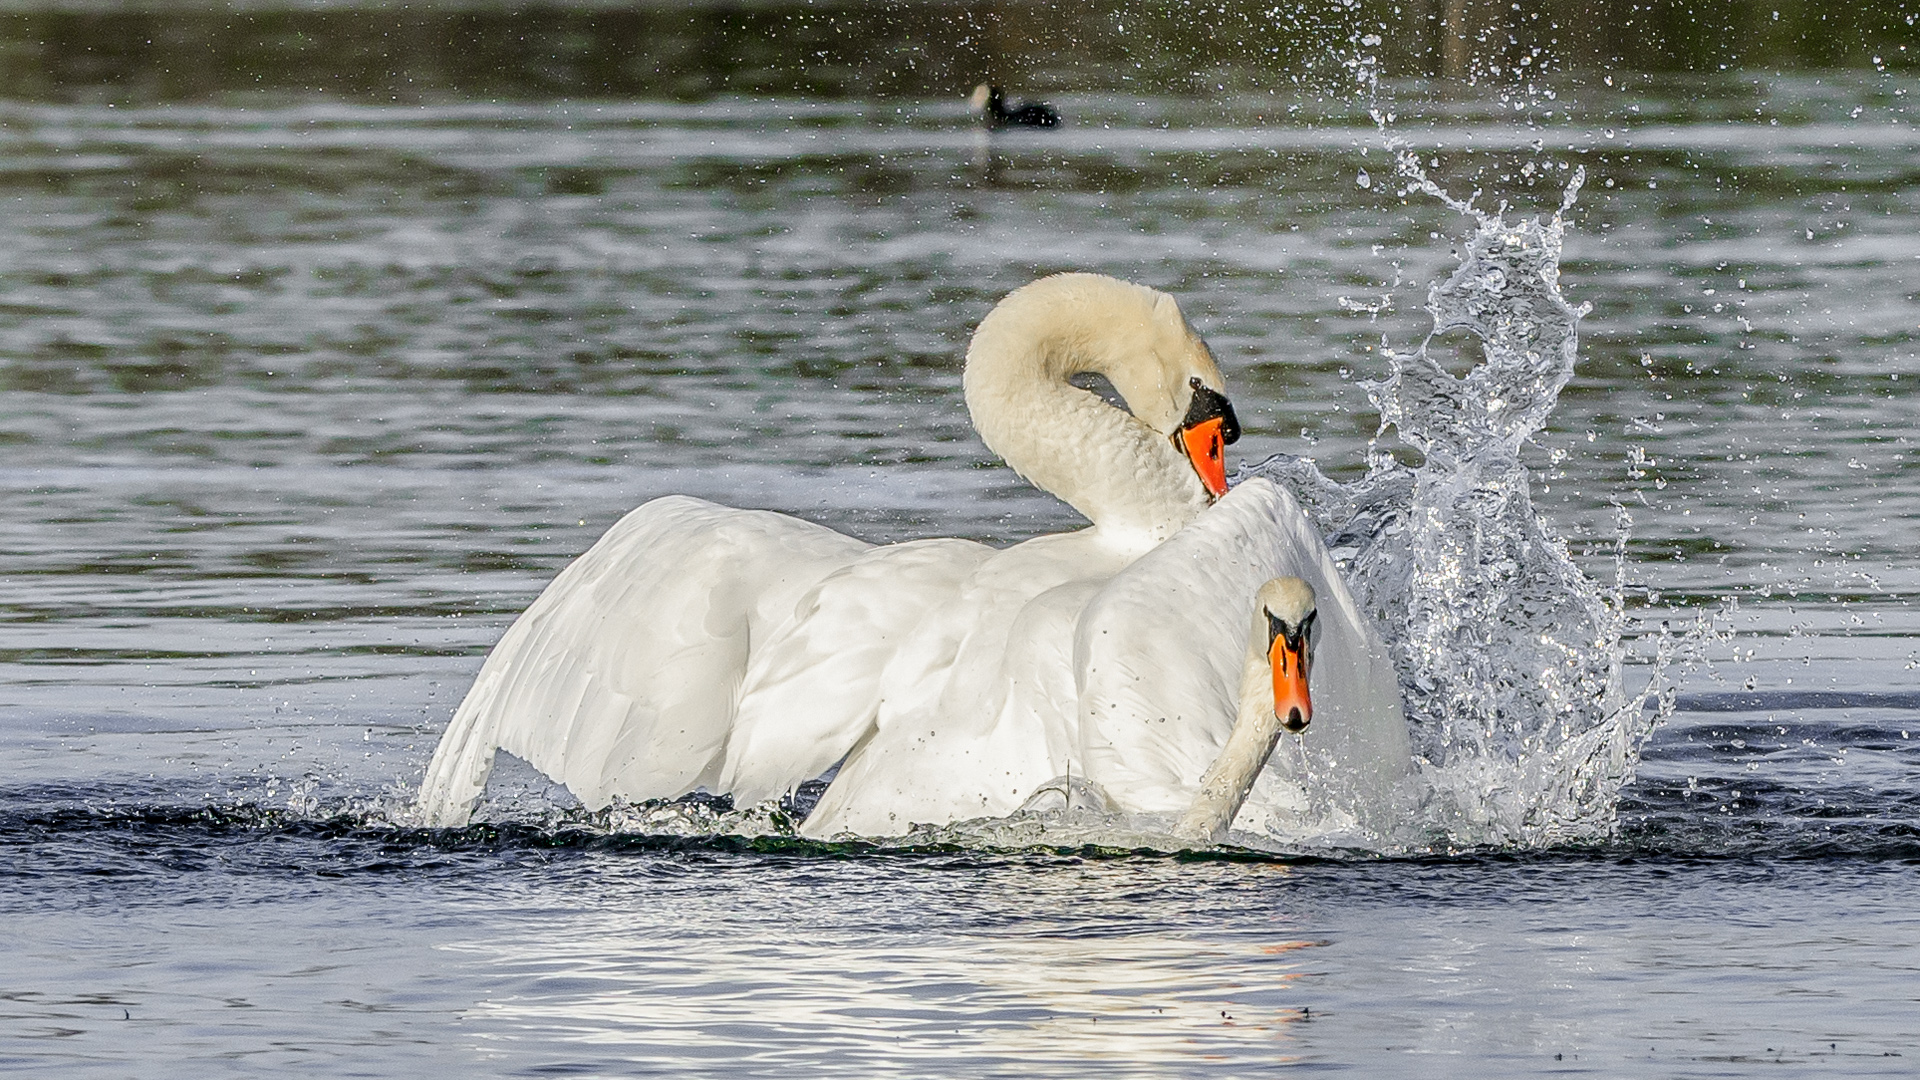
1204,434
1291,703
1206,446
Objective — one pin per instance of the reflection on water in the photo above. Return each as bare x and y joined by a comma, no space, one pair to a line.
1135,1001
974,969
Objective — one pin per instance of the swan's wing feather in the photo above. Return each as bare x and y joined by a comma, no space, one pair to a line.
812,692
620,679
974,705
1160,651
983,748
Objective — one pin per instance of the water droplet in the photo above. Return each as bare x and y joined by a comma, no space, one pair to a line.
1508,270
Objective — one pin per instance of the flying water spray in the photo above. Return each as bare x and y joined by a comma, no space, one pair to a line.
1510,659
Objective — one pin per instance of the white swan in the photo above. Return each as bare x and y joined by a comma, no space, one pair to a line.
1279,655
1132,685
746,652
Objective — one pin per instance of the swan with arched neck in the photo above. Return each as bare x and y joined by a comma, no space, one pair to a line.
745,652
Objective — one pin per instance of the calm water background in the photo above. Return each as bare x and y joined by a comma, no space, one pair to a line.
329,334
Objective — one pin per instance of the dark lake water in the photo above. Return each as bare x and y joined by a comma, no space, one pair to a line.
328,334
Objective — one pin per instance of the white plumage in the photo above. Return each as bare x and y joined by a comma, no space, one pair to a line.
696,646
1166,670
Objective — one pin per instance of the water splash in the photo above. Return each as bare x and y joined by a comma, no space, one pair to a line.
1509,657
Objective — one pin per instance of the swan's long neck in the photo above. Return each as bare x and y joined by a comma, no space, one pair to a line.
1121,470
1256,730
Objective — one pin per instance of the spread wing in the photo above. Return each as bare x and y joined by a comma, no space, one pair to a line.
1160,650
813,691
621,678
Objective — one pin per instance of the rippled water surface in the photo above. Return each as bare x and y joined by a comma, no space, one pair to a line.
328,336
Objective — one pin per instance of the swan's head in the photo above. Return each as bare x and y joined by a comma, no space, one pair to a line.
1061,328
1141,342
1169,379
1204,432
1286,615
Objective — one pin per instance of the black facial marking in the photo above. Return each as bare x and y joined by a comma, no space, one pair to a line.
1299,638
1208,404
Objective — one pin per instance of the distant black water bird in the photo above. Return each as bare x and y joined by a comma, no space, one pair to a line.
990,104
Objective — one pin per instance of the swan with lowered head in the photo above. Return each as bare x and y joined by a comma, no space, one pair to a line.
1279,655
1131,686
739,650
746,652
1274,696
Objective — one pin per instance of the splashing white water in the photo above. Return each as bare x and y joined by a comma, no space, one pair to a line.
1509,658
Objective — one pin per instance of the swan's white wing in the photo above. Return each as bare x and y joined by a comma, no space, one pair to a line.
812,691
1159,654
982,746
620,679
978,705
